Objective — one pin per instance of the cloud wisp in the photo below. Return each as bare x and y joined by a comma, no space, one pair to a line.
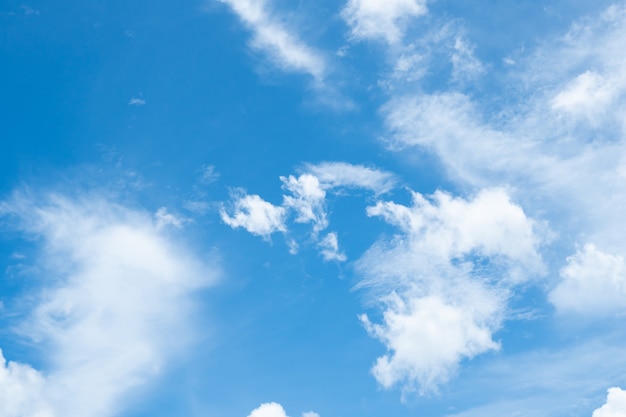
271,36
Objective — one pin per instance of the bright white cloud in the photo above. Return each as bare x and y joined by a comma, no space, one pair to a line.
593,283
269,410
274,38
307,199
256,215
114,308
329,248
444,282
275,410
305,196
372,19
615,404
22,391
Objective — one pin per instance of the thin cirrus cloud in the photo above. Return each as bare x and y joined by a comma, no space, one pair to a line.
450,268
271,36
116,304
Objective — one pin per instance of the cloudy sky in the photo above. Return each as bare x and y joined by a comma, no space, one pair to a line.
270,208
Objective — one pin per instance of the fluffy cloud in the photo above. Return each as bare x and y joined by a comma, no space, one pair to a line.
330,248
272,37
256,215
305,196
593,283
443,282
275,410
22,391
269,410
371,19
615,404
115,305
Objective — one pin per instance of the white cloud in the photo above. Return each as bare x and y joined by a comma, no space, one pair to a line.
165,218
22,391
256,215
269,410
444,282
329,247
465,66
593,283
114,308
307,199
274,38
615,404
305,195
341,174
372,19
275,410
136,102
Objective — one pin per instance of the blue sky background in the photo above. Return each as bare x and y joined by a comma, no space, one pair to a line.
267,208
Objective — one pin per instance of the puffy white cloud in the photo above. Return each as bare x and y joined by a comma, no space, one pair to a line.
256,215
428,336
371,19
305,195
22,391
275,410
307,199
115,304
615,405
274,38
593,283
329,247
443,282
269,410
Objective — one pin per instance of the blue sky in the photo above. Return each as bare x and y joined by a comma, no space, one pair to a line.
263,208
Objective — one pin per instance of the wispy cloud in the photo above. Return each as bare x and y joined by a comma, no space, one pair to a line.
372,19
135,101
272,36
115,305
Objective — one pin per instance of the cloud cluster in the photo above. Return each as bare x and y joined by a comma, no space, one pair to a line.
306,198
443,282
115,305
